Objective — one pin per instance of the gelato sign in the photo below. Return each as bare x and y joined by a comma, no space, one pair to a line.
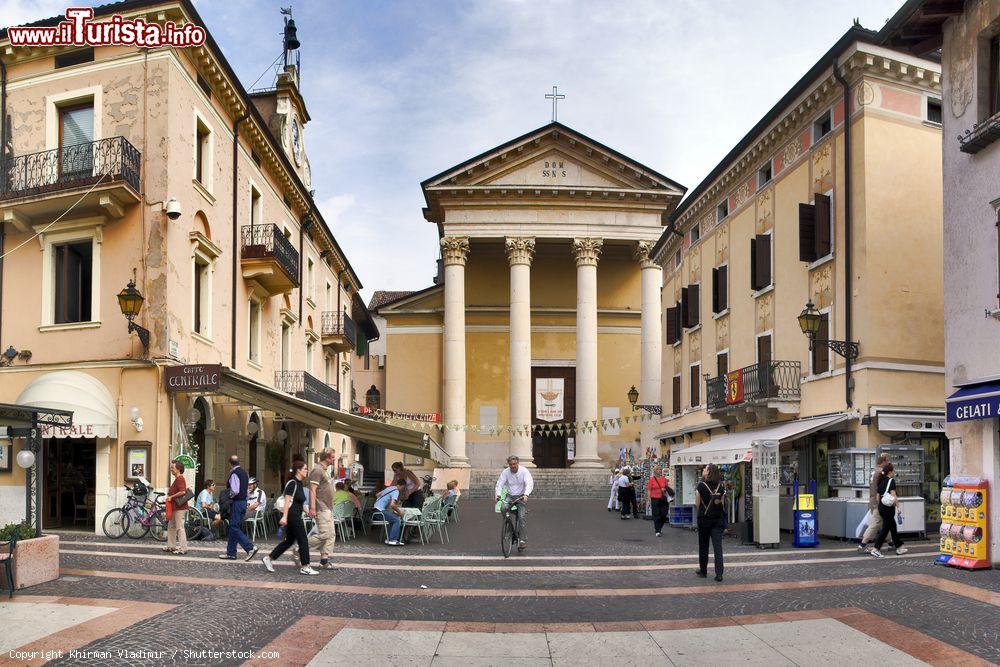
192,378
549,395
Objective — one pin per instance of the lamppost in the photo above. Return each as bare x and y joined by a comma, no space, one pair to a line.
809,321
633,397
130,301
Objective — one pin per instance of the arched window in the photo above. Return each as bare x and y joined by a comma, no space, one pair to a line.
373,399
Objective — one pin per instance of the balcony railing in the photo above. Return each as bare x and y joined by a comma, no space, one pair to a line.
307,386
340,324
267,242
112,160
756,384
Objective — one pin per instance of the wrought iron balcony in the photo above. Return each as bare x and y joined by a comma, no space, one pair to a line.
269,258
308,387
109,167
339,331
755,385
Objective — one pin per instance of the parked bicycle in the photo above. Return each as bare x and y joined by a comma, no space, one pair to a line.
143,515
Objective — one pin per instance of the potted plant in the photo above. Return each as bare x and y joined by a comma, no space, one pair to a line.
36,559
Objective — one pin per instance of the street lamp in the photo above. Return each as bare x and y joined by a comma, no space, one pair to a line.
809,322
633,398
130,301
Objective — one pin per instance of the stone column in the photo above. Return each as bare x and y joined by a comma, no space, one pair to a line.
649,384
455,252
586,251
519,253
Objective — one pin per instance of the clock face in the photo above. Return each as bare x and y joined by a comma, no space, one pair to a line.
296,142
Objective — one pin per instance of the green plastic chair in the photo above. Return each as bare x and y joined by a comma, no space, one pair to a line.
8,563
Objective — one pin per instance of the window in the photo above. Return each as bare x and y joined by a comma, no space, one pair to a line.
677,259
720,289
286,346
254,337
202,294
676,395
722,364
255,206
310,347
822,126
816,231
695,234
329,297
821,353
328,369
722,211
760,261
75,58
691,306
695,385
764,175
933,110
994,107
203,154
673,315
764,349
76,126
73,281
310,280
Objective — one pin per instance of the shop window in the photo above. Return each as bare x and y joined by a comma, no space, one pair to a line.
676,395
820,352
73,281
695,385
720,289
822,126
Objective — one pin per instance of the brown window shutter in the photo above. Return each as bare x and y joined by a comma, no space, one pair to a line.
673,325
722,364
677,395
694,305
715,291
821,353
723,288
695,386
807,233
823,241
685,300
763,260
763,349
753,264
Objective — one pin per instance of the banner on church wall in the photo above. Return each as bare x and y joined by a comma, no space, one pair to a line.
549,395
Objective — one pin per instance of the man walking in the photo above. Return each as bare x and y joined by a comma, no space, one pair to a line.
519,486
321,509
237,486
874,518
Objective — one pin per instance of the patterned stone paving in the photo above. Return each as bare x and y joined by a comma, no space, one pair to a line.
215,612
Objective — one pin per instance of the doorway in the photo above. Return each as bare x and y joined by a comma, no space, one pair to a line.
198,437
68,487
554,401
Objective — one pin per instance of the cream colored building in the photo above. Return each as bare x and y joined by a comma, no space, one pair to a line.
795,213
246,288
546,308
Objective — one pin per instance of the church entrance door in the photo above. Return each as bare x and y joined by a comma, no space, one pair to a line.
554,402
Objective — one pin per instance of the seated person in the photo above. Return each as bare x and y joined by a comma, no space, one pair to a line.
388,504
451,495
340,494
206,503
349,487
256,498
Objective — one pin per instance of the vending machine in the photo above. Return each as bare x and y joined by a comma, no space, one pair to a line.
764,454
804,516
965,523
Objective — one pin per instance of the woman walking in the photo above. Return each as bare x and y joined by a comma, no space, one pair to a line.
176,535
291,520
660,495
888,508
709,498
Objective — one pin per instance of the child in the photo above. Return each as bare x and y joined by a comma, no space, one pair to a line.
451,495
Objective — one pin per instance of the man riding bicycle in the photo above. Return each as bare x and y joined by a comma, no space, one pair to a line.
519,486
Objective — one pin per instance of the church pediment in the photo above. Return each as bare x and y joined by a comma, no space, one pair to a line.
556,167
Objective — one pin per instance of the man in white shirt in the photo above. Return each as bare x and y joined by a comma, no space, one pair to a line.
519,486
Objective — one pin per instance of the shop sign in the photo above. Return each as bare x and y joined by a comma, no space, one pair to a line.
978,407
734,387
198,377
188,461
74,431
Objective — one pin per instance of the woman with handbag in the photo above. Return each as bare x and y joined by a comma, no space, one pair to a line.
888,508
660,494
294,497
710,495
177,502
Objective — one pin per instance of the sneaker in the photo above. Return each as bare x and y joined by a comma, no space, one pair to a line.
308,570
268,564
862,548
227,557
876,553
522,545
250,554
901,550
658,535
392,543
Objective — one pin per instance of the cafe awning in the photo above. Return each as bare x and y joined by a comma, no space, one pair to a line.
395,438
735,447
95,414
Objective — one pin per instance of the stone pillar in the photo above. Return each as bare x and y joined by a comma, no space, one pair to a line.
586,251
455,252
651,335
519,253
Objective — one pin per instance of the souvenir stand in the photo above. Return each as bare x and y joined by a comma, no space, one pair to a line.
848,476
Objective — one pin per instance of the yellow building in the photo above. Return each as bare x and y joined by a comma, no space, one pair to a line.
848,217
546,307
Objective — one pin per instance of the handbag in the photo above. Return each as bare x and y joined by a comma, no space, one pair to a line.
887,498
185,499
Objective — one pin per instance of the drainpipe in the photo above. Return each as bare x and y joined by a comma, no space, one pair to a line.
236,230
3,169
848,278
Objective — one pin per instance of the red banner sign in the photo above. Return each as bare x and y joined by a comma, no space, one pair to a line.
734,387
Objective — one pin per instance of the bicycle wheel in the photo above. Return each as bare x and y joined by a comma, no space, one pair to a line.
506,536
115,524
137,529
192,524
158,526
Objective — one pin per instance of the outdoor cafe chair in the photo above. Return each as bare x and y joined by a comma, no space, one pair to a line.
435,515
8,563
378,519
257,519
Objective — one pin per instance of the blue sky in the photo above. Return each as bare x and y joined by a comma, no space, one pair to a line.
399,91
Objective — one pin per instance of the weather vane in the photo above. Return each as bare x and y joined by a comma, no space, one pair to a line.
555,97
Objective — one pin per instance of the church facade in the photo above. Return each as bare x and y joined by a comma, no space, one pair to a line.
545,310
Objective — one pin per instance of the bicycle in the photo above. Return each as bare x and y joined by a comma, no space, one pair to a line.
141,517
119,521
508,532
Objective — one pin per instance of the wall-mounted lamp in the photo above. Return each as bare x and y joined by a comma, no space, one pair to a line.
130,301
135,418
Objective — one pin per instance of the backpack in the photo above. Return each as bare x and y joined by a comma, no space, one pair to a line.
714,508
225,502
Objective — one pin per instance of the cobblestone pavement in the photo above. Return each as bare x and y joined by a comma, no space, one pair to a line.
584,567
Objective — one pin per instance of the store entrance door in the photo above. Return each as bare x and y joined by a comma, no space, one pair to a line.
68,486
554,402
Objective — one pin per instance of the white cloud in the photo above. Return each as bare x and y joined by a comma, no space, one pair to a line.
19,12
